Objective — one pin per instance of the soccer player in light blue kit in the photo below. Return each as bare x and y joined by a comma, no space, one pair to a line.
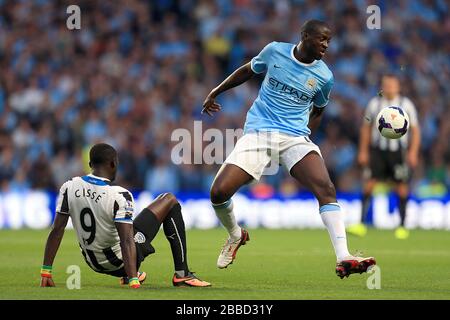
290,103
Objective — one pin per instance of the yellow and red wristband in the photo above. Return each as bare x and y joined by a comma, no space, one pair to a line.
46,271
134,283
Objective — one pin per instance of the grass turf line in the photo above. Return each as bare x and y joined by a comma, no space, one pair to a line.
275,264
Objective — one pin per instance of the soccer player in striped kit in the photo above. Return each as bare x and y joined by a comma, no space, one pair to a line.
111,240
387,159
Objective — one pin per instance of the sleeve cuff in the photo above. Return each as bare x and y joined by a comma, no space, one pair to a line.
322,106
129,221
123,220
253,68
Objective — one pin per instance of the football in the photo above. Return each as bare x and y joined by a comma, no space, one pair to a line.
392,122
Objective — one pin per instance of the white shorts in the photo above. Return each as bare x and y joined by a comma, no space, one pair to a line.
254,151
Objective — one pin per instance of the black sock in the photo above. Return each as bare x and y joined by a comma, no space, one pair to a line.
175,233
402,210
365,207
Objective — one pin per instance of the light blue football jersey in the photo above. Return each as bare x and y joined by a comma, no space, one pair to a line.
288,91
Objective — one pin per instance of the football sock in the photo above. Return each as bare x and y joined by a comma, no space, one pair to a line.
365,207
175,233
332,218
402,210
224,211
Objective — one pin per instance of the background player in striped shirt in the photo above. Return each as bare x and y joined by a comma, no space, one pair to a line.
387,159
110,240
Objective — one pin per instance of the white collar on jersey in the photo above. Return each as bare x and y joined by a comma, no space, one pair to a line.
97,177
299,62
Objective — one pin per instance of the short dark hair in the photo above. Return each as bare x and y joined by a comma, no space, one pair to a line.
313,26
101,153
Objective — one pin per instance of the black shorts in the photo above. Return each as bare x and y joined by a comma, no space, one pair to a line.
146,226
388,165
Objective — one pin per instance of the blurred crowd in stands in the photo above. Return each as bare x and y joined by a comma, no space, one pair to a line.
138,70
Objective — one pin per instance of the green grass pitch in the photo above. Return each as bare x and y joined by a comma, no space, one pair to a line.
275,264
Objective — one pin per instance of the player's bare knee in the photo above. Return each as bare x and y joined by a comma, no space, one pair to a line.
368,189
369,186
170,197
403,192
218,193
215,194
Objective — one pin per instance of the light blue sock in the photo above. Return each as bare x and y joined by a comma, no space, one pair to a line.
224,212
333,218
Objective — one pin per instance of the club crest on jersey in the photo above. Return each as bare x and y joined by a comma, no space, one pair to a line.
129,215
311,83
139,237
129,206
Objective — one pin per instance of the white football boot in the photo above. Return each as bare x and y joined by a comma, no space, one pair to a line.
230,248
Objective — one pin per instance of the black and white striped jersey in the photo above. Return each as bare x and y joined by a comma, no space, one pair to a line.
374,107
94,206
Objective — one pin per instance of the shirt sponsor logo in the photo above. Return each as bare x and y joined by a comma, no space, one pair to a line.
285,89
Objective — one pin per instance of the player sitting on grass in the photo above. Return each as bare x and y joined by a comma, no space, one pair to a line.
110,240
279,122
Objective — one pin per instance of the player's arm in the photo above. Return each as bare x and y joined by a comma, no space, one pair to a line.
414,146
364,143
258,64
320,101
51,248
128,247
315,117
123,220
365,132
241,75
414,134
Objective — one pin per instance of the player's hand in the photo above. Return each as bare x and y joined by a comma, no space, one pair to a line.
363,158
210,105
47,282
412,159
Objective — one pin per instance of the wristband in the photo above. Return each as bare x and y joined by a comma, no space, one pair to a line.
134,282
46,271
